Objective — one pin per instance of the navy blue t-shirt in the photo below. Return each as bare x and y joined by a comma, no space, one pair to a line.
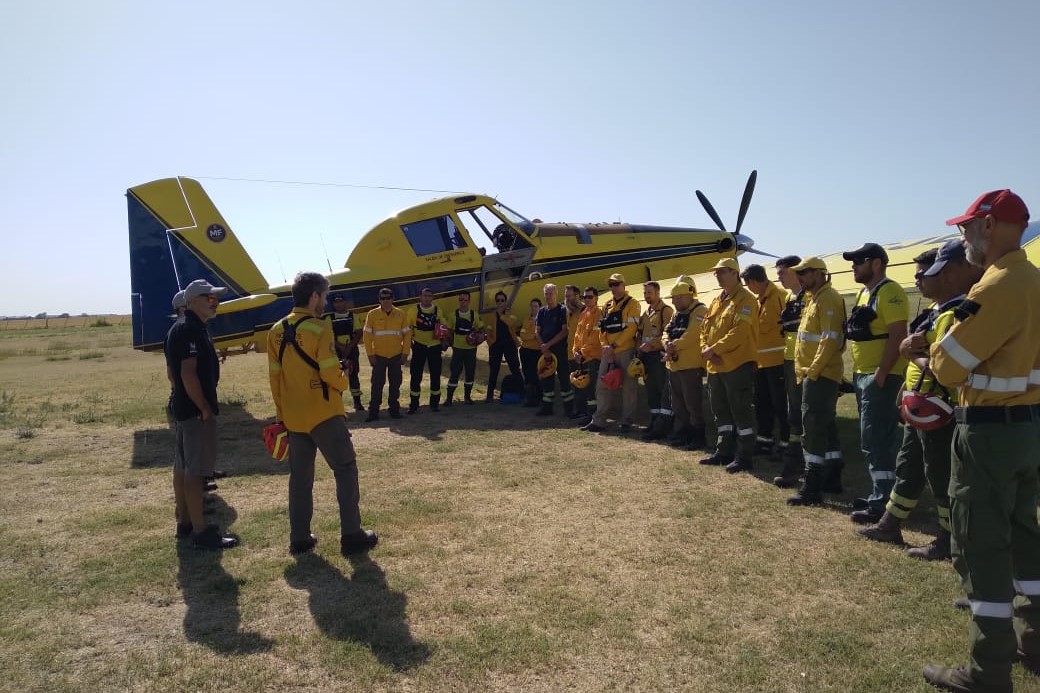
189,339
551,321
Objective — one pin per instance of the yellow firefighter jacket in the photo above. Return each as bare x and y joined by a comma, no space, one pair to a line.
387,334
730,328
586,334
821,336
770,333
684,331
621,319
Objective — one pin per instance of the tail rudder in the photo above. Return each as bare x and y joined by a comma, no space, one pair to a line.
176,236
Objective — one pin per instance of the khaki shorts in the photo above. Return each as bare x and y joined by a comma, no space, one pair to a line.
196,446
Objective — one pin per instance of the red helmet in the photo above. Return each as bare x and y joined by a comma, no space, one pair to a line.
925,411
613,378
476,337
276,440
440,331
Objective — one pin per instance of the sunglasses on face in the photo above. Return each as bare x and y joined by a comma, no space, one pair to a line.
614,284
861,261
500,300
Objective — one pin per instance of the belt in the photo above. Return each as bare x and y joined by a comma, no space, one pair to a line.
1016,414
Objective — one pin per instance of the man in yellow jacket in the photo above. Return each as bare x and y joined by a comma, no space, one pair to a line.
388,340
587,352
770,388
617,337
992,355
651,352
682,353
818,367
307,385
729,345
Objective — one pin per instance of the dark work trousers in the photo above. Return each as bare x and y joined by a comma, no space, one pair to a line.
332,437
771,405
585,398
462,359
879,432
386,368
502,349
794,401
687,397
996,541
559,350
353,375
656,383
820,443
422,356
732,397
529,363
923,455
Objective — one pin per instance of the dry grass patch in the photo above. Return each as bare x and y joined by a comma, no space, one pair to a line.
515,554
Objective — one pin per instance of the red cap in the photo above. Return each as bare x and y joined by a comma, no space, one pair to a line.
1002,205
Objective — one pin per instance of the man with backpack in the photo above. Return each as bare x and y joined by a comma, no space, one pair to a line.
300,353
426,350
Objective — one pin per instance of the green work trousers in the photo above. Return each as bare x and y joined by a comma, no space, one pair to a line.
656,383
820,445
924,455
732,398
996,541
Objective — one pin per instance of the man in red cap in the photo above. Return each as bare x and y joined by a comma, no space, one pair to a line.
993,358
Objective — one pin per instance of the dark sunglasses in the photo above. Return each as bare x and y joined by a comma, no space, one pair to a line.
500,300
613,284
861,260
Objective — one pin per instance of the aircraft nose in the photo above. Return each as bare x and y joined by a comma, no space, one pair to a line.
744,242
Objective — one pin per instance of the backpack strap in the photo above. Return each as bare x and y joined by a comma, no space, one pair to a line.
289,337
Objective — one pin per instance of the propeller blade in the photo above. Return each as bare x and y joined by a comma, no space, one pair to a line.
710,210
757,252
749,190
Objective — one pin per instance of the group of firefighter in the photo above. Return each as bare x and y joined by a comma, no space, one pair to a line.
963,377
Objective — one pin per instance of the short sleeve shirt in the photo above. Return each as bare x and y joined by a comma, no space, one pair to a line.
551,321
189,339
892,306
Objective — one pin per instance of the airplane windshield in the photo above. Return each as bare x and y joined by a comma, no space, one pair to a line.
517,220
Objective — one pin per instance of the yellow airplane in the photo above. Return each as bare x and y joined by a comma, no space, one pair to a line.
177,235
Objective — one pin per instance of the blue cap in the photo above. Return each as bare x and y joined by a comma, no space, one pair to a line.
950,250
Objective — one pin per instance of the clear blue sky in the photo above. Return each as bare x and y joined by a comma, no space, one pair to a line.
865,120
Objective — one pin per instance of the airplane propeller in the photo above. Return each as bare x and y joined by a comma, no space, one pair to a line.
743,242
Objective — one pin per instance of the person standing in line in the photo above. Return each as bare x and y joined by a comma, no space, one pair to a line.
529,355
992,355
348,337
503,341
587,353
682,353
388,341
617,337
463,323
426,351
301,352
876,327
192,363
729,345
651,352
551,327
770,387
790,318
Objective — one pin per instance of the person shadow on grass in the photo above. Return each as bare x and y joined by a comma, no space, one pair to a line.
210,593
361,608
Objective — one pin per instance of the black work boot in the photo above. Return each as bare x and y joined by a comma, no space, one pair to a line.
449,396
568,409
468,394
938,550
648,432
810,491
490,396
435,402
739,465
373,414
716,460
395,410
358,404
680,438
532,396
794,465
698,439
887,530
959,680
832,477
661,428
413,405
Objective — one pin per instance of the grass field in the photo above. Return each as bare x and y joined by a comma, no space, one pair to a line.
515,554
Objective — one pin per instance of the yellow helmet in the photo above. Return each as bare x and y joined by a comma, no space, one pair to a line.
636,369
547,366
580,378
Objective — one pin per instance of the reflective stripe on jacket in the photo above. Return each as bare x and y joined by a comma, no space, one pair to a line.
387,334
821,336
730,328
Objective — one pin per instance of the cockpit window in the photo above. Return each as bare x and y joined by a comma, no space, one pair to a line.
517,220
431,236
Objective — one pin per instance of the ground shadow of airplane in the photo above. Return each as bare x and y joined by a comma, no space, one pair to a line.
361,608
210,594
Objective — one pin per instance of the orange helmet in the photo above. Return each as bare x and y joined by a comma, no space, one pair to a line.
925,411
547,366
613,378
440,331
276,440
580,378
476,337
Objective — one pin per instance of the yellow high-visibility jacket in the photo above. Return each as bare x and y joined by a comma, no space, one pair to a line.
458,339
529,335
387,334
687,340
770,334
431,315
586,334
299,399
652,324
629,316
821,336
993,353
510,320
572,325
730,327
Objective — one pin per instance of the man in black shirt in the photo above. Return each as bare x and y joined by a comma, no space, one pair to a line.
191,362
551,326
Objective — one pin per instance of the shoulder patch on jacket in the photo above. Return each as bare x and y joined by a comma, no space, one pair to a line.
966,309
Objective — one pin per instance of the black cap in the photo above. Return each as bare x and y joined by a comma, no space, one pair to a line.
868,251
951,251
